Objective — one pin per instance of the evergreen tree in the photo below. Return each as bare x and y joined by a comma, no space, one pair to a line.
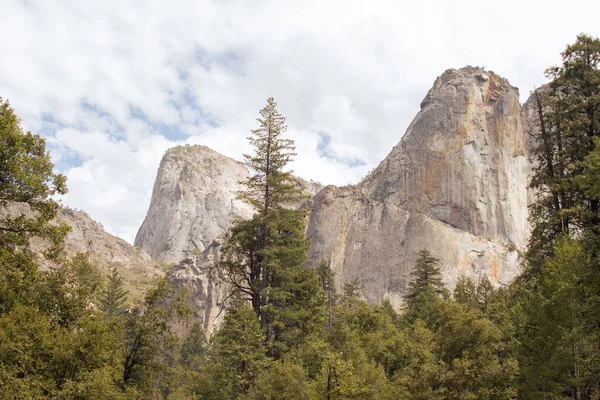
237,355
264,257
425,274
114,297
557,299
569,121
150,342
327,278
476,296
194,346
423,294
282,381
353,289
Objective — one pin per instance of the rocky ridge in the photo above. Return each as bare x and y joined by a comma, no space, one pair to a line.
107,251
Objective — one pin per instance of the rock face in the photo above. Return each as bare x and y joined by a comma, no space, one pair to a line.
462,160
456,185
193,203
200,275
136,267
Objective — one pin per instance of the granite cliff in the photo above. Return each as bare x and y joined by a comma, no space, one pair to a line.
456,184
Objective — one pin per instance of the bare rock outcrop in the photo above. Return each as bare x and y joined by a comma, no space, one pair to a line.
456,185
462,160
200,275
193,203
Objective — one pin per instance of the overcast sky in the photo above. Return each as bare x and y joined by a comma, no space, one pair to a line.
112,84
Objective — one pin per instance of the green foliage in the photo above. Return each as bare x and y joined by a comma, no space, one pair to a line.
569,117
25,168
555,303
559,326
26,177
52,353
194,346
353,289
237,355
150,343
476,296
271,185
426,273
282,381
287,334
422,297
264,257
114,297
327,279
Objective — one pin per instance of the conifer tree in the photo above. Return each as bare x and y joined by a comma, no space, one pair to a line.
426,273
114,296
264,256
237,356
569,123
424,291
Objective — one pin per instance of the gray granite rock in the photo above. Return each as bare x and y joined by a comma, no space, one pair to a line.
456,185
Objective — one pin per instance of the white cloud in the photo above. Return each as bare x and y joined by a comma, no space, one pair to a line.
112,84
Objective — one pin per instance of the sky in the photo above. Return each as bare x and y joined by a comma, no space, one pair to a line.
112,84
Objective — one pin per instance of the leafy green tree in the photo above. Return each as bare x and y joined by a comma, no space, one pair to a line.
53,349
479,363
26,178
353,378
114,296
282,381
53,341
420,375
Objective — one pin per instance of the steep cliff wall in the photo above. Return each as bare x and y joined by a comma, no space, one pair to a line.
193,203
456,184
462,160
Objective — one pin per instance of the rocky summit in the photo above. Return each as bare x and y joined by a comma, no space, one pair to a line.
456,184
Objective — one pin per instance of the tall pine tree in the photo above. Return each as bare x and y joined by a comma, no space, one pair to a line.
264,256
569,122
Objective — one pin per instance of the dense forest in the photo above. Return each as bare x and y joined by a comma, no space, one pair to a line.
67,332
